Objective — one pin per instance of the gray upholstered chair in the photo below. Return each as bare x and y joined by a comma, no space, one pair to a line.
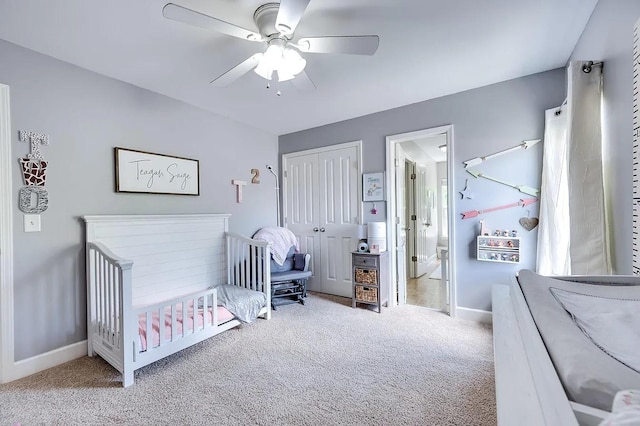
289,281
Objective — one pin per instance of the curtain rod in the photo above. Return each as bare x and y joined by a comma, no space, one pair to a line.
586,68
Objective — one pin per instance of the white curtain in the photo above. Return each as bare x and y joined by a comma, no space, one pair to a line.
572,233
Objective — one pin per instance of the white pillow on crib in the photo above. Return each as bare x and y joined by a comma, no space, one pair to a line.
245,304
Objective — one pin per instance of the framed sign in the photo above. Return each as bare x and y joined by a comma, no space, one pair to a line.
373,186
146,172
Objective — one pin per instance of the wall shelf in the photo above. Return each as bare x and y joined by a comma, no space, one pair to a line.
498,249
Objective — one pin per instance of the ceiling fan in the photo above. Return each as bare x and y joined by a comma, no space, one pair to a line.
276,23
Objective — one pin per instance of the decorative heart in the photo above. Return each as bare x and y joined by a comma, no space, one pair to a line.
529,223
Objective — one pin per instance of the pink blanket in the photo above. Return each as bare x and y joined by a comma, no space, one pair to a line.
223,316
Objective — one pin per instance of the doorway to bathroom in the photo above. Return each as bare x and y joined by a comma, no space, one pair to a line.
420,210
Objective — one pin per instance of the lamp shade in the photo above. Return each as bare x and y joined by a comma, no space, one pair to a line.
362,232
286,61
263,71
293,62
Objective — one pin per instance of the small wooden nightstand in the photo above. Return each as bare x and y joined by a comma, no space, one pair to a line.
369,278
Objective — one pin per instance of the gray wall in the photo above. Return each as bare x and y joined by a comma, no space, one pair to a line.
86,115
608,37
485,120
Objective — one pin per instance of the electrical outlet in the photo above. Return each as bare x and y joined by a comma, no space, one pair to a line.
31,223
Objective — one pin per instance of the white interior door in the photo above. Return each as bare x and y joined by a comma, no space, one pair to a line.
422,220
409,216
401,226
7,370
322,210
301,185
338,218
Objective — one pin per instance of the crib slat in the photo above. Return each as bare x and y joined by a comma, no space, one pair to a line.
99,295
205,312
174,322
102,298
184,323
236,262
149,328
116,285
256,268
243,260
214,307
259,258
116,297
161,326
94,291
109,282
107,300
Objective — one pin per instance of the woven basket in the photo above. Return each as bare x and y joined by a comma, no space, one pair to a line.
366,294
366,276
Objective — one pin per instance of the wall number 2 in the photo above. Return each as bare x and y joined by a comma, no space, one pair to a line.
256,176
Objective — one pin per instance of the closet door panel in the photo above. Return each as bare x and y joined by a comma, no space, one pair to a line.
302,209
338,176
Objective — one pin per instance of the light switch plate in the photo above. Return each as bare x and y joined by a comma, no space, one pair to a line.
31,223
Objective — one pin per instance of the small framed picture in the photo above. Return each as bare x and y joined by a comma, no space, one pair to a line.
374,248
373,186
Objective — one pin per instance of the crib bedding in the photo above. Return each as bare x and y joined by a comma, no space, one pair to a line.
244,303
223,316
589,374
597,316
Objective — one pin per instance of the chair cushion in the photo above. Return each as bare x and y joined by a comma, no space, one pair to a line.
289,276
298,261
288,262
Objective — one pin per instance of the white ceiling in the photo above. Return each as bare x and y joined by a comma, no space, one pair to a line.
428,48
428,146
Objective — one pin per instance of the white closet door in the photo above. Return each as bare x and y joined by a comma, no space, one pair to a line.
302,209
321,209
338,217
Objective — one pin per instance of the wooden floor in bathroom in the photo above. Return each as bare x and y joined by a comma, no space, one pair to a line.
426,291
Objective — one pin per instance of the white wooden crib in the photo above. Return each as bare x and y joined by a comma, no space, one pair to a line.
142,267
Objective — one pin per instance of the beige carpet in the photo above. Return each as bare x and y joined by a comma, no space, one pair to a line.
320,364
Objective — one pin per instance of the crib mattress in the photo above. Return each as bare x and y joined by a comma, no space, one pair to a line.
223,316
589,375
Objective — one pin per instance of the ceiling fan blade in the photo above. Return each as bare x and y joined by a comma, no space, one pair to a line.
303,82
355,45
191,17
238,71
289,14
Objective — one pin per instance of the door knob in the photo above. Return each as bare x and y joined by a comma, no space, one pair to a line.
315,229
322,229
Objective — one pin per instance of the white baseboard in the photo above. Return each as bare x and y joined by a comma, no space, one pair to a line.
476,315
29,366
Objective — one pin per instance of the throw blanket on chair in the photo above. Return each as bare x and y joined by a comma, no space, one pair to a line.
281,240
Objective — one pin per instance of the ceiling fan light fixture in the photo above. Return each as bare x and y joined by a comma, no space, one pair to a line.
273,58
285,61
263,70
283,75
293,62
